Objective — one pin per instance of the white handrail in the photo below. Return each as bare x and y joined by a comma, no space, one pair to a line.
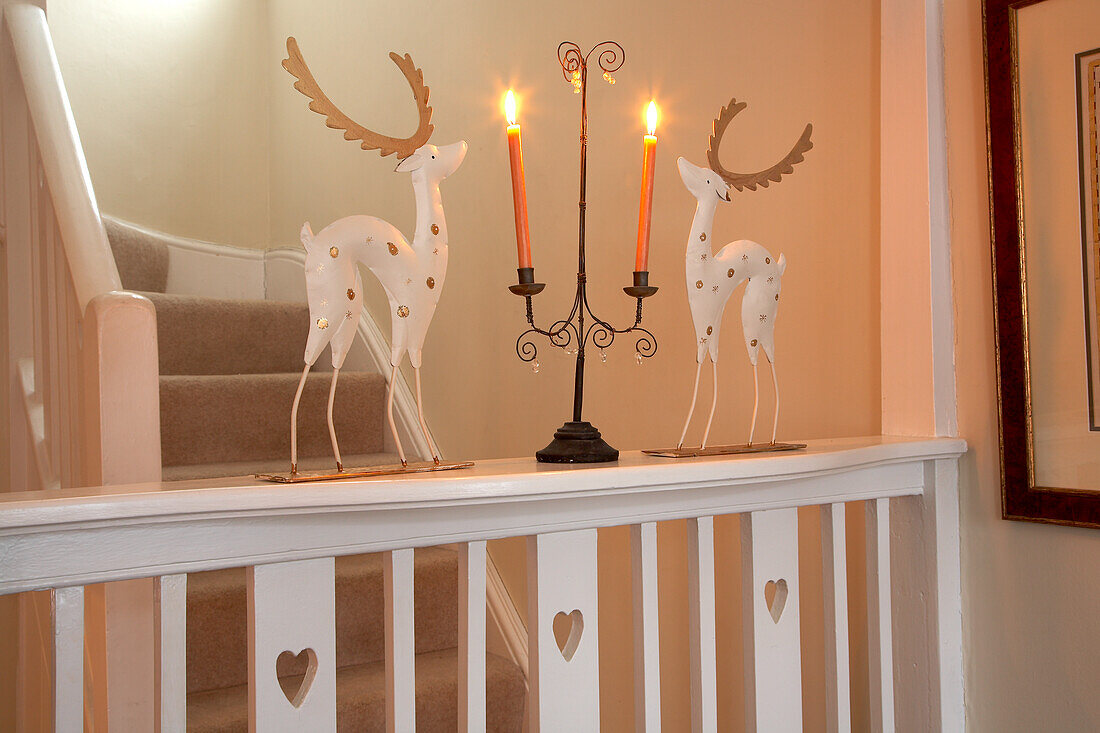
82,234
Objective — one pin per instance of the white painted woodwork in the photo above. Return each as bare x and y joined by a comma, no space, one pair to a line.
880,638
471,636
170,654
49,539
702,632
292,608
647,642
397,567
565,681
834,582
68,660
773,650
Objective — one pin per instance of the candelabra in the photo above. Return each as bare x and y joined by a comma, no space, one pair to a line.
578,441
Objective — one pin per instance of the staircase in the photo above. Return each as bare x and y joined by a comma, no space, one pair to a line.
228,372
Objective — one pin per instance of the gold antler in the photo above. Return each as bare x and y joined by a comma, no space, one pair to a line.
334,118
750,180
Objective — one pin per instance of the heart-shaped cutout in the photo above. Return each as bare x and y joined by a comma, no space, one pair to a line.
775,596
295,673
568,628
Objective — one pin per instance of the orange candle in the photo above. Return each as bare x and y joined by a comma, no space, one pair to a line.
645,207
519,187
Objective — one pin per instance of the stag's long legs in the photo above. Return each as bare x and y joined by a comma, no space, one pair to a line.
755,402
294,421
389,416
331,426
420,416
713,404
691,410
775,422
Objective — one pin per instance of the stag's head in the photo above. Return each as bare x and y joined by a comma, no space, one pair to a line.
717,181
703,183
415,153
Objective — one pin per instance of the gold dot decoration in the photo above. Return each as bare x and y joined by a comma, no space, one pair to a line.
403,311
431,283
767,260
729,272
699,284
393,248
322,323
703,237
351,294
333,252
777,297
752,343
710,330
435,229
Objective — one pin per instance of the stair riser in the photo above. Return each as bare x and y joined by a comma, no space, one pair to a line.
217,630
220,419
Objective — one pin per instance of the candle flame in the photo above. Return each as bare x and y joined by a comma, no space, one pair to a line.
510,107
651,117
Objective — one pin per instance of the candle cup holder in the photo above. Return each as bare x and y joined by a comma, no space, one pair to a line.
578,441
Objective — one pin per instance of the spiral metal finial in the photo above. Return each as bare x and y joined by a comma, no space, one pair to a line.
609,57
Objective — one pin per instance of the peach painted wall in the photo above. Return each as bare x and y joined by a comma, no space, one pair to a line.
1031,634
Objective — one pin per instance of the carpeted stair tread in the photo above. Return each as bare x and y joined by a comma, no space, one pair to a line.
217,626
229,418
361,698
276,465
199,335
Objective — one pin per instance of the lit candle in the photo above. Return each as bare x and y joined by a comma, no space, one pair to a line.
645,207
519,187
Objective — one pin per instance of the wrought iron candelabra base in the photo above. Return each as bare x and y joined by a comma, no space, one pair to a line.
577,442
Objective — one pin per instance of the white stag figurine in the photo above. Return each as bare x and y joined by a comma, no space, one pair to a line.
411,274
712,278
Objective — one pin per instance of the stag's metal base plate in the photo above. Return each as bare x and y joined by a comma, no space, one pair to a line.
394,469
724,450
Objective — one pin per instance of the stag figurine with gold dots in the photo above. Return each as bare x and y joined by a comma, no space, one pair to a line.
712,278
412,274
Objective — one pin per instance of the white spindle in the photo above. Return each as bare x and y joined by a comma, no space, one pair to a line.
292,610
68,659
647,647
565,679
773,652
880,638
471,637
400,642
701,624
170,653
834,574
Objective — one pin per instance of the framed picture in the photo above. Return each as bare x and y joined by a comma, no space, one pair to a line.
1043,113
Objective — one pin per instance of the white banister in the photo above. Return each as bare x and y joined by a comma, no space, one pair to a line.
880,636
397,570
68,660
647,642
471,636
562,592
85,240
771,621
170,653
834,577
292,616
702,640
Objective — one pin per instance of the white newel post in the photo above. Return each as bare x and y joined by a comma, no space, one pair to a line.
565,682
292,609
771,624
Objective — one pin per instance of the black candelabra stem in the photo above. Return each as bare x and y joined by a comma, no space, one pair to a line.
578,441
